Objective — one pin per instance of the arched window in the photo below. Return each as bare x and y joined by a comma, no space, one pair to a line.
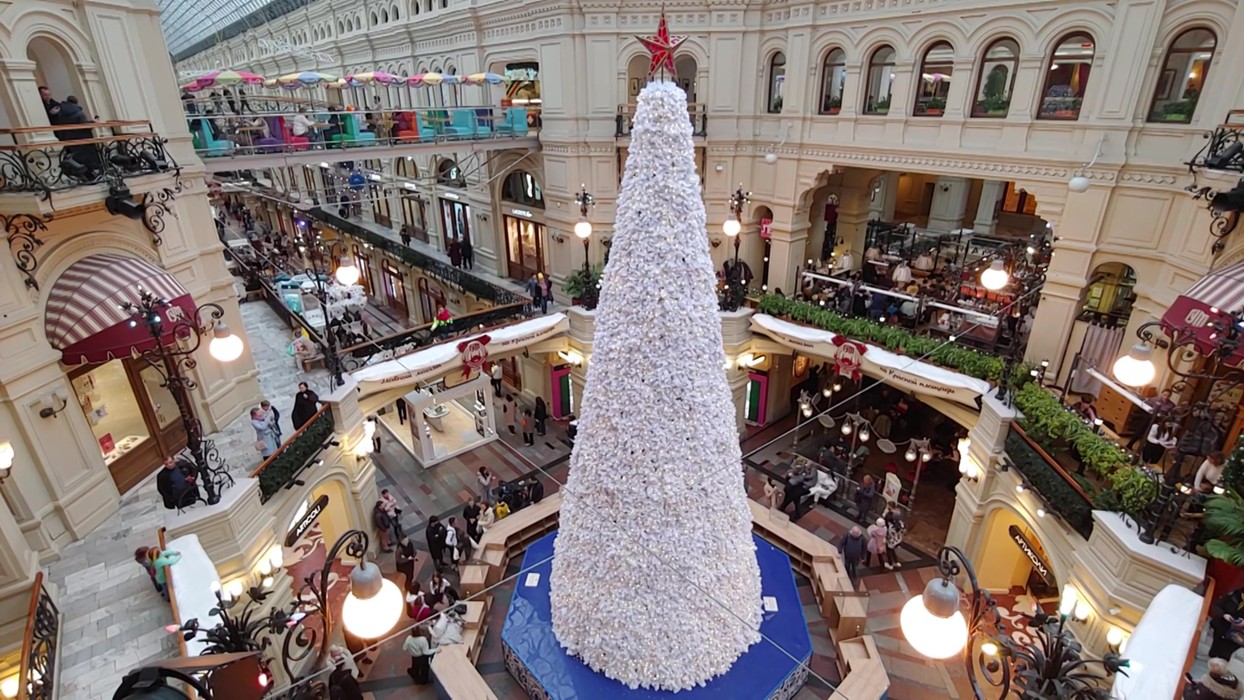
405,167
447,173
427,5
1067,78
995,79
374,19
935,73
1183,76
414,7
444,4
341,27
521,187
880,81
384,16
777,79
833,79
393,12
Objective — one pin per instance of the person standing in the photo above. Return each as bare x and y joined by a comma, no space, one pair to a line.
1209,473
421,649
1161,438
486,482
546,294
274,417
406,558
471,515
405,235
535,290
394,512
877,533
895,529
510,409
306,405
451,541
864,497
852,549
468,254
535,490
496,374
455,252
528,424
434,534
265,438
384,526
176,484
541,415
144,557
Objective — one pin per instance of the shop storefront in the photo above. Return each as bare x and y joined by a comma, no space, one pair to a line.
431,298
364,264
522,208
455,218
414,215
394,289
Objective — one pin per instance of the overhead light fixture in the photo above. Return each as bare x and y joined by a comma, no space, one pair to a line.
1136,367
996,277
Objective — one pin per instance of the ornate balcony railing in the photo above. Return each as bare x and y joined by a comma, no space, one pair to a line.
1225,147
625,119
44,167
412,339
282,468
37,677
1061,493
442,271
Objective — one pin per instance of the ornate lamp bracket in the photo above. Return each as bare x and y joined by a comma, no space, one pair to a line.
155,207
22,232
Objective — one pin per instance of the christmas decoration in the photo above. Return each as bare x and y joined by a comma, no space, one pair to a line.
662,47
655,580
474,354
850,357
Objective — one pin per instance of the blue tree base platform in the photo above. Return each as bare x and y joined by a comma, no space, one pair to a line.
543,668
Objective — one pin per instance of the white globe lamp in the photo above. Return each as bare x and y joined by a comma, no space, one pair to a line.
995,277
225,345
1078,184
731,227
373,605
583,229
1136,367
770,158
932,622
347,273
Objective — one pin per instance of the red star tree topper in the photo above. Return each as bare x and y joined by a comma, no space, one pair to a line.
662,47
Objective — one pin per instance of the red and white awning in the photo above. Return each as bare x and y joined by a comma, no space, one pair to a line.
1220,292
84,318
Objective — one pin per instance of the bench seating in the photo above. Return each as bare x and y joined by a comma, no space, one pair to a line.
863,675
455,676
511,535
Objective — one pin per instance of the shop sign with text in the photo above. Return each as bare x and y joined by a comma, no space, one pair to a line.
308,519
1039,565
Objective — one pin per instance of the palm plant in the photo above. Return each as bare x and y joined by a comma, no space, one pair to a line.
1224,522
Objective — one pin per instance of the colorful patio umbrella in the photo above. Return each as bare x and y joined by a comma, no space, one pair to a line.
425,79
305,79
221,78
482,78
374,77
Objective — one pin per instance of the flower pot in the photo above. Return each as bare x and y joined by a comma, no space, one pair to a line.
933,112
834,110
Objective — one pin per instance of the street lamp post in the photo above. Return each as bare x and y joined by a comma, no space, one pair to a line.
172,360
347,274
732,227
1050,666
583,229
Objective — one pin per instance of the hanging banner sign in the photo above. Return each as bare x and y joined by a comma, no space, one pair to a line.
1039,565
899,370
308,519
433,362
766,228
474,354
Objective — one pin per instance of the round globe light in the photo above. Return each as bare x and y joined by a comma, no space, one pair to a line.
373,605
1136,367
1079,183
583,229
347,273
731,226
1114,636
225,346
995,277
770,158
932,622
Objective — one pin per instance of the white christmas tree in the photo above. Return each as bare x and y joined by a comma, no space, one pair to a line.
655,581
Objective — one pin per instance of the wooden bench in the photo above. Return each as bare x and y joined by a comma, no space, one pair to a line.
804,548
456,676
475,626
512,534
863,675
474,579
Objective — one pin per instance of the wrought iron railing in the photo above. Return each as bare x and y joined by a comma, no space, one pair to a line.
412,339
37,677
439,270
1224,149
51,166
625,119
282,468
1060,491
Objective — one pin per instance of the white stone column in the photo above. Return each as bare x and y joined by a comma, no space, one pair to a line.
884,201
18,564
19,90
987,210
950,201
988,438
853,215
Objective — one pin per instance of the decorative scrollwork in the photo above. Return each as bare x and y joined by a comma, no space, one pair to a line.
44,168
22,231
155,207
39,661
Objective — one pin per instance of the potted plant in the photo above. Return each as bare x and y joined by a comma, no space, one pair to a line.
935,106
583,287
993,102
882,106
833,105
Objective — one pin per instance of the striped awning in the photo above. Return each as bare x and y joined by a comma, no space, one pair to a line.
84,319
1219,292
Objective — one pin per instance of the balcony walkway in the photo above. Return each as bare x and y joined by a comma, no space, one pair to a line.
257,140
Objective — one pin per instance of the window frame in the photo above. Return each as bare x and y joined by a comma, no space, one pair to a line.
1166,57
773,82
868,81
827,79
924,60
980,78
1049,68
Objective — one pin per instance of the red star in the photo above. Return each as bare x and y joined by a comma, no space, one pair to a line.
662,48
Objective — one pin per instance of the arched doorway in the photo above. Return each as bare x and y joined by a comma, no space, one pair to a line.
55,69
431,298
1012,558
636,76
523,222
455,214
1109,295
685,67
414,207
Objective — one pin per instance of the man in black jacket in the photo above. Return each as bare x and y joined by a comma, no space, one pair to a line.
176,484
